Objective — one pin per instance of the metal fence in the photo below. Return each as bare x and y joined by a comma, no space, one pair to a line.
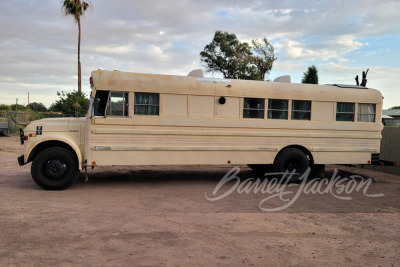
390,150
392,123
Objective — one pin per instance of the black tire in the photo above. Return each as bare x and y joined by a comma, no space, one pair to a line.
55,168
292,159
261,168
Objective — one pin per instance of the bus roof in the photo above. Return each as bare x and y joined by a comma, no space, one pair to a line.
174,84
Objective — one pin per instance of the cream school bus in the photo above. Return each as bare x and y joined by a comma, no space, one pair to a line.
150,119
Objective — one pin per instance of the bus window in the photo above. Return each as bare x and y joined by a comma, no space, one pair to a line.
117,105
100,103
345,111
147,103
278,109
301,110
253,108
366,112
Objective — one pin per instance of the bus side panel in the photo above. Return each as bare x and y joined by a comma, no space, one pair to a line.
152,145
181,157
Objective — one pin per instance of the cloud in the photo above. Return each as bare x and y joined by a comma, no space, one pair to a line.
317,49
112,50
343,60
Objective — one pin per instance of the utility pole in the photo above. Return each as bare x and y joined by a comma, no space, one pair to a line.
16,106
28,101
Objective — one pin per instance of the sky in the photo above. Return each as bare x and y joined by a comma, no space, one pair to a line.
342,38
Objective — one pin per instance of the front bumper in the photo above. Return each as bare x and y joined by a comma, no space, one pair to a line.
21,160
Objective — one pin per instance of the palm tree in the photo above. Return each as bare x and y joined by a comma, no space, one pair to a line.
77,9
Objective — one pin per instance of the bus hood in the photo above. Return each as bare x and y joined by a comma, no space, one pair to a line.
54,124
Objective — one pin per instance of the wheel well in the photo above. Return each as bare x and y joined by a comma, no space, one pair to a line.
302,148
40,147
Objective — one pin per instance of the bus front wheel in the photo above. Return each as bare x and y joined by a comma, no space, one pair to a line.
292,159
55,168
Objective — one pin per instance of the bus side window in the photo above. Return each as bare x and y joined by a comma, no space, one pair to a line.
278,109
301,110
344,111
147,103
253,108
366,112
117,105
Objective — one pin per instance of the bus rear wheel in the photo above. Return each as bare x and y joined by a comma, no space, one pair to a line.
292,159
55,168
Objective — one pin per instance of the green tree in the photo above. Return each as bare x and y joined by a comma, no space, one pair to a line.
71,103
262,58
37,107
395,107
4,107
310,76
77,8
238,60
19,107
227,55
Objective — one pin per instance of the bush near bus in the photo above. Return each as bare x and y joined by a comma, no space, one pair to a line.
40,107
4,107
70,103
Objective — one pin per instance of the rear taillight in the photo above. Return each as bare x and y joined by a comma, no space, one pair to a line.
91,81
25,137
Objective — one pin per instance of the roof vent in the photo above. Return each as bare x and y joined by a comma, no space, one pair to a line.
283,79
196,73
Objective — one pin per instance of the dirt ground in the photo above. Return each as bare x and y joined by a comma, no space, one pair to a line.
152,215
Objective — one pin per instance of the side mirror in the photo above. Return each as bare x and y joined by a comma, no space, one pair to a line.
21,136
